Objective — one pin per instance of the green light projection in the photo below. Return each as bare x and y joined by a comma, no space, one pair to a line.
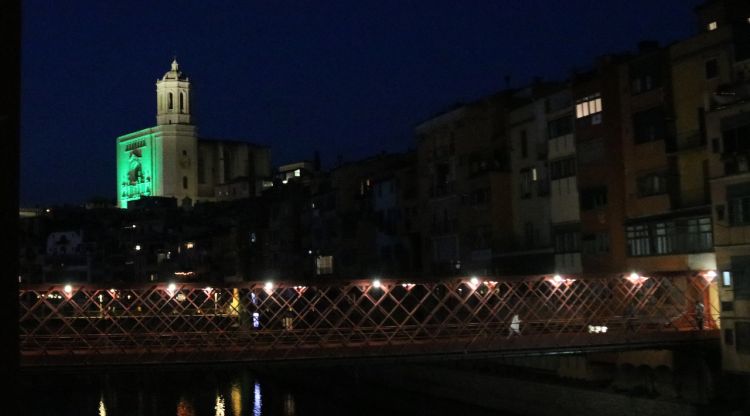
135,168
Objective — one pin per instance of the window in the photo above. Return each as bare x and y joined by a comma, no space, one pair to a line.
539,175
638,241
170,101
182,102
712,68
324,265
652,184
742,337
478,197
567,242
692,235
728,337
649,125
593,198
597,243
563,168
712,26
739,211
184,182
588,106
738,200
526,179
560,127
735,136
642,84
201,169
726,278
741,276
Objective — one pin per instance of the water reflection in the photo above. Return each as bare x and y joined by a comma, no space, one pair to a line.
209,393
257,400
185,408
288,405
102,408
219,405
236,399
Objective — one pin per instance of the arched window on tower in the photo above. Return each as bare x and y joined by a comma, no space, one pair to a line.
170,104
184,182
182,102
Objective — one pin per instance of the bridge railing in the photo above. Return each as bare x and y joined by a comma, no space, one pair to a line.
78,324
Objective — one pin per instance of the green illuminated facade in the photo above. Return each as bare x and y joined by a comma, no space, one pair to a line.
137,174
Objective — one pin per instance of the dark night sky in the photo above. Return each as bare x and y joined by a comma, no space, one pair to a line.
350,78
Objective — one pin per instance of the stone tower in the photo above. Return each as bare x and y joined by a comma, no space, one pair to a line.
173,97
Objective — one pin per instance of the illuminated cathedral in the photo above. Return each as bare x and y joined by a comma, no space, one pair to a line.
171,160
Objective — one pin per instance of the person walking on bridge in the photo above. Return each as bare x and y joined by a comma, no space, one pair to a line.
515,326
699,311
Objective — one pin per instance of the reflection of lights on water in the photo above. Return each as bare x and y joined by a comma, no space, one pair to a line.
257,400
219,405
236,400
184,408
289,406
102,408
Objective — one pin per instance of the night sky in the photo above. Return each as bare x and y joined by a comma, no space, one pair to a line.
347,78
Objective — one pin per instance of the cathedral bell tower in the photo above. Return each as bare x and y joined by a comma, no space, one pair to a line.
173,97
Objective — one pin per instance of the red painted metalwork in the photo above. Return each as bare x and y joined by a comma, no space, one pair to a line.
254,321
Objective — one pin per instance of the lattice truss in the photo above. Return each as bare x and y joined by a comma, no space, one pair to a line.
261,320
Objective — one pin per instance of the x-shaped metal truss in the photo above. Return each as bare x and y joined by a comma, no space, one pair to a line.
89,324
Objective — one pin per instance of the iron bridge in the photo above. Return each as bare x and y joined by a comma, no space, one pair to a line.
64,325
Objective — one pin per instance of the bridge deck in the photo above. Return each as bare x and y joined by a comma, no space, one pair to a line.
259,322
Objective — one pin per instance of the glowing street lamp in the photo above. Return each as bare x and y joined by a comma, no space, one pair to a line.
68,289
636,279
710,276
376,284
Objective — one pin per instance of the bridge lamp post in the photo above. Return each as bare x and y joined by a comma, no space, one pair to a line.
68,289
171,288
376,283
474,281
636,279
710,276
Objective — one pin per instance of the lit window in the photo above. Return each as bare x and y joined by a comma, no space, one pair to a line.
726,278
324,265
587,106
713,25
297,173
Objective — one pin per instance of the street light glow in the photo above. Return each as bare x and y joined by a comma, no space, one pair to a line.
376,284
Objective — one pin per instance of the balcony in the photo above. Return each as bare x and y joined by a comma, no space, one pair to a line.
728,94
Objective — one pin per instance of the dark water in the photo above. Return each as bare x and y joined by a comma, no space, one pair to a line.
225,392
